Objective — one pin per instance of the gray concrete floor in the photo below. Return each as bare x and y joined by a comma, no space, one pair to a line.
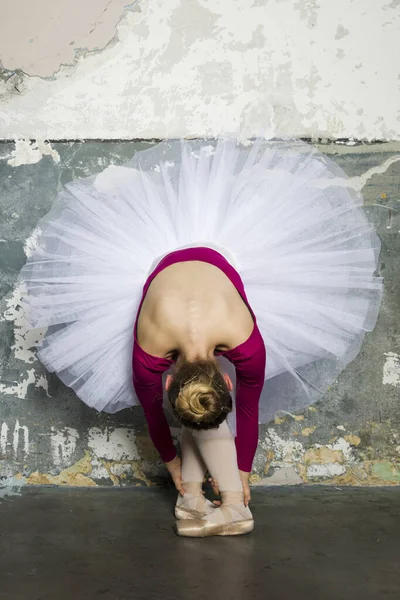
118,544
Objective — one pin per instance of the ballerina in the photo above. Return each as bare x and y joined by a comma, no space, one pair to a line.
192,257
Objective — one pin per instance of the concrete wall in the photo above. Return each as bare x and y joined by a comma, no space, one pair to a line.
48,436
104,70
166,68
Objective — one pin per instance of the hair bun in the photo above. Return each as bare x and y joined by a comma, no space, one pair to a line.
197,402
199,395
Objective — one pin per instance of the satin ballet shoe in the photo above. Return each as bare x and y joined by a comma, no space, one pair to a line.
232,518
193,505
200,528
183,513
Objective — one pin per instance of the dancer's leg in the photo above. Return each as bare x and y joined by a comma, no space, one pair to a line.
218,450
193,466
193,503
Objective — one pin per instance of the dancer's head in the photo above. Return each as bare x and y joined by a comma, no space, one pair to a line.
200,394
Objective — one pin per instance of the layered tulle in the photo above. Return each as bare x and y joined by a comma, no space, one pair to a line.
296,233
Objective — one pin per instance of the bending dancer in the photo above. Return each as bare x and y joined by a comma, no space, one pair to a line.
194,309
250,248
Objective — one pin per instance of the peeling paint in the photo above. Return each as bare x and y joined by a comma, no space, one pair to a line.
391,369
367,473
89,469
13,441
352,439
326,470
11,487
358,182
286,451
63,445
27,152
76,475
342,461
284,476
322,455
113,445
307,431
386,471
230,66
51,34
4,438
25,339
19,388
118,471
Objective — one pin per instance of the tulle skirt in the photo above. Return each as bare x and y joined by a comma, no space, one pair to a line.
295,231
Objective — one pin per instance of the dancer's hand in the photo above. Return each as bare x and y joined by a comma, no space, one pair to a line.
174,468
244,476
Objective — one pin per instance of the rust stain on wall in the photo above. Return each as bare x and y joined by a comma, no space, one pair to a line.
322,456
76,475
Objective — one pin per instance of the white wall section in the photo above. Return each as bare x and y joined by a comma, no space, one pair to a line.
201,67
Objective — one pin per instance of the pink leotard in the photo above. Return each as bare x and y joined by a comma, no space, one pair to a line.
248,359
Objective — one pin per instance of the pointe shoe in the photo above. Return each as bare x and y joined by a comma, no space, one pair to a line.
183,512
193,505
202,528
232,518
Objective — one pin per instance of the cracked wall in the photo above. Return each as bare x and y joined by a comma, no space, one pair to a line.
47,436
37,38
198,67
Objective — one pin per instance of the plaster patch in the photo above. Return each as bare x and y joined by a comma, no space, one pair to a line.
98,470
19,388
322,455
386,471
54,33
325,471
358,182
14,440
353,439
63,445
149,82
76,475
11,486
25,338
284,476
42,382
344,447
28,152
283,453
21,430
287,451
4,438
307,431
391,369
114,445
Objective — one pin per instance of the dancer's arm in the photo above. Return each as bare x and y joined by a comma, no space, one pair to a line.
147,381
249,361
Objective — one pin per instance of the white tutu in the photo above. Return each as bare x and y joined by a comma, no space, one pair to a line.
297,235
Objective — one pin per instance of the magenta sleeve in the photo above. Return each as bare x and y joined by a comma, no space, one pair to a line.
249,361
147,380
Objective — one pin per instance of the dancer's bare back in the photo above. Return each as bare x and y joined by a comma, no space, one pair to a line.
192,306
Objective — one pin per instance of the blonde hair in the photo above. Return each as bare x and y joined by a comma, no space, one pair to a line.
199,395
